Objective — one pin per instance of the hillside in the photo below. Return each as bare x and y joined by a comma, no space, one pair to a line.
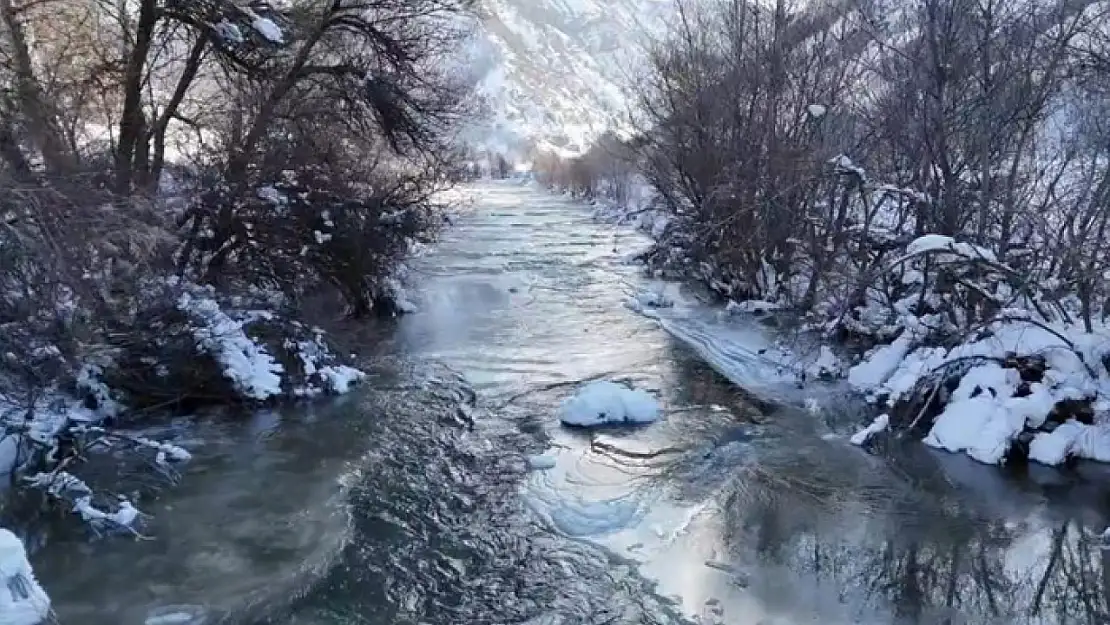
556,72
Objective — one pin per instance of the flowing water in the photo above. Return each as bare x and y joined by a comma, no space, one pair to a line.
412,500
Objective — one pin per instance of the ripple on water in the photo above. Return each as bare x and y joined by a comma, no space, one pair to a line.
442,537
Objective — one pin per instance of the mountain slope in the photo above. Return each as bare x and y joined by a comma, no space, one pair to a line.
555,72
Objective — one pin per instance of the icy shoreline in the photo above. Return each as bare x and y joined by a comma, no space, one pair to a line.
1018,389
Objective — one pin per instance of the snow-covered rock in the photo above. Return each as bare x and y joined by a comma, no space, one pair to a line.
22,600
268,29
608,403
1071,438
826,367
870,375
341,378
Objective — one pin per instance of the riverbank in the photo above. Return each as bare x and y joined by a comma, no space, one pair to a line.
1017,387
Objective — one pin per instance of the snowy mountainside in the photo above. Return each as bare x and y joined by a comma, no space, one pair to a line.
555,72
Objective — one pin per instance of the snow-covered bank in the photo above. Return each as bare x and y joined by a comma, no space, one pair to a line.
22,600
1043,385
1018,385
222,350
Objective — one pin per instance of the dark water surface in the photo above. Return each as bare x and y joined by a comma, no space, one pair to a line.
412,501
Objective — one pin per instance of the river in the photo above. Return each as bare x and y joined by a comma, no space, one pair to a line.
412,501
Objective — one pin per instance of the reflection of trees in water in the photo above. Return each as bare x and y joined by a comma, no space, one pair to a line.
897,543
924,561
1071,582
696,383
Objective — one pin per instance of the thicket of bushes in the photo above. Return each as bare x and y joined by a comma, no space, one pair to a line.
176,176
800,147
796,151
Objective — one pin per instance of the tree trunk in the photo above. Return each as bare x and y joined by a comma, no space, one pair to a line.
30,100
10,150
158,132
132,126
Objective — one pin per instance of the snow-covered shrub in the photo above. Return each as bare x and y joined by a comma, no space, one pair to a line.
191,346
126,286
307,229
934,224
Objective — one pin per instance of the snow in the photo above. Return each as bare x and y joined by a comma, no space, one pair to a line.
648,299
555,73
941,243
1071,438
844,164
978,418
268,29
254,372
980,426
755,306
272,195
22,600
870,374
602,403
827,365
341,378
817,111
67,487
395,286
880,424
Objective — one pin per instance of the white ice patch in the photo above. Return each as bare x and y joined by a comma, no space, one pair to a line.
22,600
228,32
601,403
541,462
268,29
